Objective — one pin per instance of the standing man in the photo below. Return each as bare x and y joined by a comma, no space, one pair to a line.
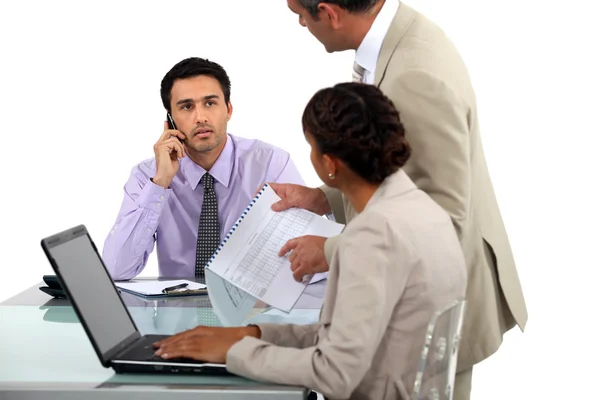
413,62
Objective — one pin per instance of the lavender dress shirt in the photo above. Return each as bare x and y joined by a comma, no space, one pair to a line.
169,217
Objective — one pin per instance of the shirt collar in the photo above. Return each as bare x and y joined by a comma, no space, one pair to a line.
368,51
221,170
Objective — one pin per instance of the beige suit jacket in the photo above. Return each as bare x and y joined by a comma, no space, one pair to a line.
423,74
395,264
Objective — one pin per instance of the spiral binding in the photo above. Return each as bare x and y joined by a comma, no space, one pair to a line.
236,225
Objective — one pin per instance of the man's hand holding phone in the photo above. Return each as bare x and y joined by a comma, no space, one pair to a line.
167,151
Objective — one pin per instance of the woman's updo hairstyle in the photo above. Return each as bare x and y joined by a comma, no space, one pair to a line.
358,124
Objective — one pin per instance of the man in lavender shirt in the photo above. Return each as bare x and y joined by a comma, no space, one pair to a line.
164,196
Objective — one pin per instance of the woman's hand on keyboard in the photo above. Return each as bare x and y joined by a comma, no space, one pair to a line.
204,343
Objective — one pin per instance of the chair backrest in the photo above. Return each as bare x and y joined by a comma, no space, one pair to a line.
437,366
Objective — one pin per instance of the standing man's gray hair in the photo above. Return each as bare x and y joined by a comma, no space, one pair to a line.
312,6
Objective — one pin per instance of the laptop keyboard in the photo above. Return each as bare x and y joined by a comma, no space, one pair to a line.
144,351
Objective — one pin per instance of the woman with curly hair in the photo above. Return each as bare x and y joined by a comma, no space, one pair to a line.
394,265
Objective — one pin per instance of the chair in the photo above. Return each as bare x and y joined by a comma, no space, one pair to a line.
437,366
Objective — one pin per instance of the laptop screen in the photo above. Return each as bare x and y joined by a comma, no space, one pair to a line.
92,288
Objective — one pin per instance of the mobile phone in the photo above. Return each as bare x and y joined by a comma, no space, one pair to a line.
170,121
171,124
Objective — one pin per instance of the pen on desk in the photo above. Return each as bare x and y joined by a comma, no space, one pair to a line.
171,288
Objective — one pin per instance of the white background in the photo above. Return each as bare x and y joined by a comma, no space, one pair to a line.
80,105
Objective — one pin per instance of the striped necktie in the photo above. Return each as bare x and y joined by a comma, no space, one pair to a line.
358,73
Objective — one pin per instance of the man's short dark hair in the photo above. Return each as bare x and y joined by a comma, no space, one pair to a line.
354,6
189,68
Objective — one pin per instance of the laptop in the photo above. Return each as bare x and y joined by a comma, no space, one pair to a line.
103,314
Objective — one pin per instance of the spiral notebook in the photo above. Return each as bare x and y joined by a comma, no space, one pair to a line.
248,255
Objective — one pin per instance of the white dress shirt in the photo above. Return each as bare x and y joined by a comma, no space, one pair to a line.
368,51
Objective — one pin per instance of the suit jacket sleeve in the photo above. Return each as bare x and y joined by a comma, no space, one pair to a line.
436,122
362,309
336,202
330,246
290,335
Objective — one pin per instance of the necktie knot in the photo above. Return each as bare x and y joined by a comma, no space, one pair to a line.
208,181
358,72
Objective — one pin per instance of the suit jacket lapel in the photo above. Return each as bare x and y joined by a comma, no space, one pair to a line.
401,22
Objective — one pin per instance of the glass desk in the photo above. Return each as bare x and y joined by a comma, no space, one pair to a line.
45,353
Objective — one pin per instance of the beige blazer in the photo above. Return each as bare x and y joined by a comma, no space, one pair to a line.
395,264
421,71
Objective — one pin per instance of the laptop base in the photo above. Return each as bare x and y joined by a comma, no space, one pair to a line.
152,368
140,358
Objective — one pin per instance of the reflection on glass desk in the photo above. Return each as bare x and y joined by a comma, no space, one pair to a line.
312,298
46,353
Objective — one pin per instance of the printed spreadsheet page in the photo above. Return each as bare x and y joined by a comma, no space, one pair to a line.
249,257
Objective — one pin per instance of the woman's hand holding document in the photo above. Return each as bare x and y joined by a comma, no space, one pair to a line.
307,257
249,257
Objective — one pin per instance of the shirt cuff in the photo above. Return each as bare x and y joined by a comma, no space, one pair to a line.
153,197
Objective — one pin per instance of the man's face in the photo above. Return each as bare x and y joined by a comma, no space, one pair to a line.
199,110
320,28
